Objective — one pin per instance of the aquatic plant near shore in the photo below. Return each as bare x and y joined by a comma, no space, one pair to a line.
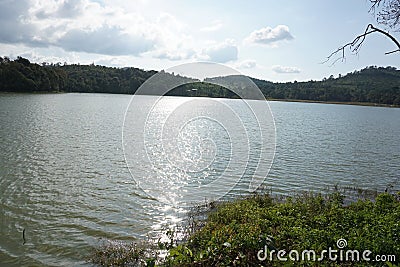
234,232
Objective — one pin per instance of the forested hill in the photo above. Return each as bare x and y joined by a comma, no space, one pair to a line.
22,76
370,85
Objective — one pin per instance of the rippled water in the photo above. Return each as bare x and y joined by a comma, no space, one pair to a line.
63,176
183,150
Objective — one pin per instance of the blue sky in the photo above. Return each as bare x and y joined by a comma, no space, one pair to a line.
271,40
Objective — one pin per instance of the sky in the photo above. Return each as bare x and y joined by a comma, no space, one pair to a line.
272,40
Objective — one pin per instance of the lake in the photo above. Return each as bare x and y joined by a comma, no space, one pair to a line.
64,176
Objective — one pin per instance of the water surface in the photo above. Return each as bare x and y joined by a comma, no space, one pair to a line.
63,176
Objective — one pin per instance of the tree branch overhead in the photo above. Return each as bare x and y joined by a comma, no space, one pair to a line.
387,14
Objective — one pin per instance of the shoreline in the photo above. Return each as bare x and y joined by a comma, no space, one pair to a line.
368,104
336,103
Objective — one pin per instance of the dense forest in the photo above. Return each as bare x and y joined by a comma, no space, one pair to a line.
21,75
370,85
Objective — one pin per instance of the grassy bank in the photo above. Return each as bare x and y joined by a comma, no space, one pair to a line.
239,233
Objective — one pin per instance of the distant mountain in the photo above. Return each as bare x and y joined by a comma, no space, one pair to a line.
370,85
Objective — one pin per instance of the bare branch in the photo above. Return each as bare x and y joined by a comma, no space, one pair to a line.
387,14
376,3
355,45
391,37
391,52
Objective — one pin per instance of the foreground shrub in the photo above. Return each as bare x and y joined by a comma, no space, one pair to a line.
238,233
114,253
235,233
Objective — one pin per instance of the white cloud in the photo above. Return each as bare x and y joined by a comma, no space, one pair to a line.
215,26
174,41
269,35
62,9
120,61
104,29
284,69
247,64
13,29
174,54
105,40
92,27
222,52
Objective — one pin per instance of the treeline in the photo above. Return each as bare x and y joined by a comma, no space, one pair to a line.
21,75
101,79
372,85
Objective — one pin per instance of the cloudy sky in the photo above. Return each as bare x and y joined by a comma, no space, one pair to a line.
272,40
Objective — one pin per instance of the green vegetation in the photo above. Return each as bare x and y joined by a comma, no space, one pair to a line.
234,233
112,253
371,85
22,76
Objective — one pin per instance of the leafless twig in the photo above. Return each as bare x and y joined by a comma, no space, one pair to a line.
387,14
356,44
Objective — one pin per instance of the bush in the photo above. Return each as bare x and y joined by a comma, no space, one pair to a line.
235,232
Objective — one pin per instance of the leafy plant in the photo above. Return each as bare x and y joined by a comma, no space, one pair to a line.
234,232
